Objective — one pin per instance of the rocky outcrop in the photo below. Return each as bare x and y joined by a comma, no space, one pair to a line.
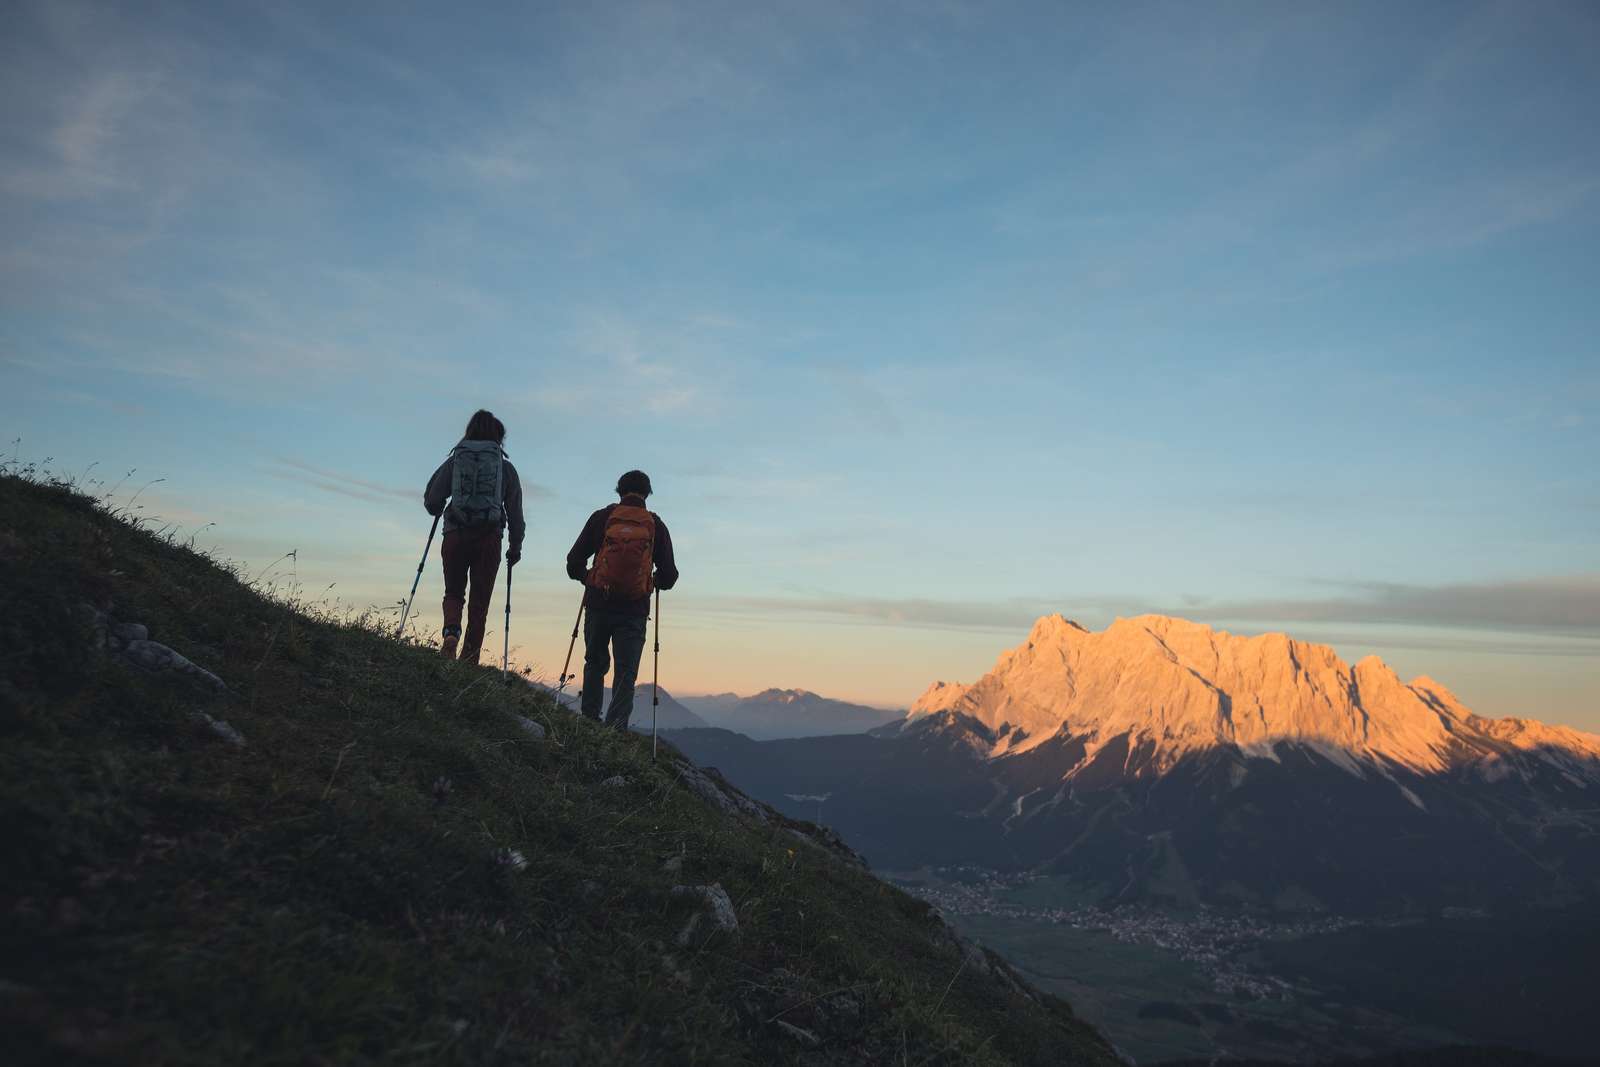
532,729
1176,687
131,642
709,786
716,910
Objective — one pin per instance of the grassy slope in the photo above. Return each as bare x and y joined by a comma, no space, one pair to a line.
168,897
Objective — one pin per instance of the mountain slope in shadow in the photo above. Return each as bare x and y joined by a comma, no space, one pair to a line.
238,828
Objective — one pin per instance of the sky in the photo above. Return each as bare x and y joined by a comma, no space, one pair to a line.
926,319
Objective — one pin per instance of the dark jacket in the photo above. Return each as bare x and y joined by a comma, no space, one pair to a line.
437,495
588,543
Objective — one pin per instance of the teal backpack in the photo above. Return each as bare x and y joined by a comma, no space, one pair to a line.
476,494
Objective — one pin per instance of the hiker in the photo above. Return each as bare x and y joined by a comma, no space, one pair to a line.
485,496
627,542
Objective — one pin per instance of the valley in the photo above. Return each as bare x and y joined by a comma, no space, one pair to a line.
1167,985
1223,845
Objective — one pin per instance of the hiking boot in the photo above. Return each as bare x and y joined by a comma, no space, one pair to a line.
447,648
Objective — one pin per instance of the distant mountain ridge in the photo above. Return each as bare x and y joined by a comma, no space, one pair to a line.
1174,687
1163,760
778,713
671,715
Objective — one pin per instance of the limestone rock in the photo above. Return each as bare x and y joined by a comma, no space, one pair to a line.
805,1037
1183,687
717,907
220,728
131,640
531,728
718,794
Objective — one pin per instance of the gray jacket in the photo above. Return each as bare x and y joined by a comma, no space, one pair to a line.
437,495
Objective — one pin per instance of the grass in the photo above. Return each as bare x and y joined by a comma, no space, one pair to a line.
336,891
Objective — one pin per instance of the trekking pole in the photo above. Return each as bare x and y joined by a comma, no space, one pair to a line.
570,646
418,580
505,654
655,681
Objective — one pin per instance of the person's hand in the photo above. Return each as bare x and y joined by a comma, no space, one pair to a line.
513,556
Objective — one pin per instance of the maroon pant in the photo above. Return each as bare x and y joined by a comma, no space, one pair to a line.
475,554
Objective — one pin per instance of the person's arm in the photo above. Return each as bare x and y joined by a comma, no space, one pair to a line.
666,566
438,491
587,544
516,527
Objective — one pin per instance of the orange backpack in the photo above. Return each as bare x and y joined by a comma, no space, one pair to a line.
624,564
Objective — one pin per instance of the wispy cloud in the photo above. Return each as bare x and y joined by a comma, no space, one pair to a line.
1568,607
121,407
1473,212
1564,604
666,365
336,482
330,481
1014,615
861,401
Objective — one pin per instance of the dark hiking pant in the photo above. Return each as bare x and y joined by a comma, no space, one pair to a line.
469,554
624,633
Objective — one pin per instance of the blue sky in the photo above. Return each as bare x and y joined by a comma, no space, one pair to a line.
926,319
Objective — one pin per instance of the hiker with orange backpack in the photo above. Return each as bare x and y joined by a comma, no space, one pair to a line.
484,498
632,553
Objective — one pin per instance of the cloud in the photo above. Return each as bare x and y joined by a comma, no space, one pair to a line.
1567,608
328,481
121,407
1471,213
1563,604
864,405
1002,615
666,364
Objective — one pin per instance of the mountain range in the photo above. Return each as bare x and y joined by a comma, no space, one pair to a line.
670,715
777,713
1162,760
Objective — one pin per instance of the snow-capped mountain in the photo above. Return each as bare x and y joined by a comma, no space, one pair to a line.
1163,759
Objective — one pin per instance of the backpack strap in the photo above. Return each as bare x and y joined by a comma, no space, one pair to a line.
499,485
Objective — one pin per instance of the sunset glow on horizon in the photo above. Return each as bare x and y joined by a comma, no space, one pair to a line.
924,324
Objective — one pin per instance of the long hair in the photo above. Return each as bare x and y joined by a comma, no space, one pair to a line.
483,426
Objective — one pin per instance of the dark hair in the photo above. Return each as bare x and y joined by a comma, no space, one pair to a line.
485,427
634,483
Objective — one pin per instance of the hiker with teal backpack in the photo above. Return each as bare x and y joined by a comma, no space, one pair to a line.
632,553
479,494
